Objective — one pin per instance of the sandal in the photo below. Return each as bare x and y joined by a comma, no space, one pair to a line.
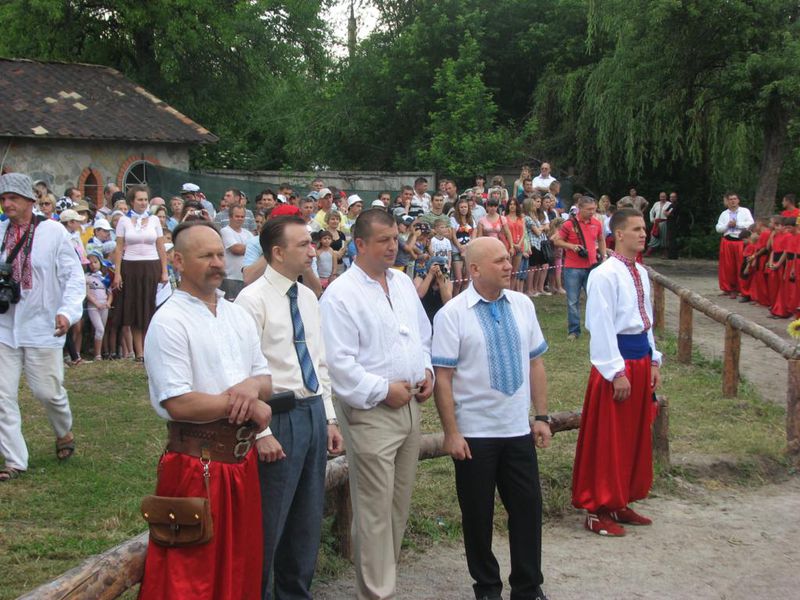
9,473
65,448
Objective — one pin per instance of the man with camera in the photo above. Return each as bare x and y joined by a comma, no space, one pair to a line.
584,245
42,288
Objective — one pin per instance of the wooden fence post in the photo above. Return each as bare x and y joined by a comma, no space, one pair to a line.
658,306
730,366
661,433
793,409
685,333
342,519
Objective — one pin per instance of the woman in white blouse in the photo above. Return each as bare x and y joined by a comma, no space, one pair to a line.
141,263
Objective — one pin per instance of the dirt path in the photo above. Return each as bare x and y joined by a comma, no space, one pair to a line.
726,545
758,364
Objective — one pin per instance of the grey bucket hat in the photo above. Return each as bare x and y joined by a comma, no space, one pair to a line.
17,183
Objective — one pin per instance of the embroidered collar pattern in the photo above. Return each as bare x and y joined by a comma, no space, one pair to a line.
637,283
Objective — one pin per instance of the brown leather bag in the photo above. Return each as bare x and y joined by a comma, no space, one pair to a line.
178,522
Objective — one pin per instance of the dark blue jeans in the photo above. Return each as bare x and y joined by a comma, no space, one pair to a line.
510,466
574,282
292,497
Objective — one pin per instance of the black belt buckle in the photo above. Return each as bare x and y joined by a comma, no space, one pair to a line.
282,402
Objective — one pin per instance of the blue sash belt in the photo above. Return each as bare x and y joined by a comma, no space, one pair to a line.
633,346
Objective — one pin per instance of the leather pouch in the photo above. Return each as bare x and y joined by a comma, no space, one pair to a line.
178,522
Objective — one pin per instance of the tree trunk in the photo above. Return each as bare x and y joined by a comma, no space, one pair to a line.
775,133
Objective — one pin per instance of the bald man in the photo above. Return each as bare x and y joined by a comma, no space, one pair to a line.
487,355
208,379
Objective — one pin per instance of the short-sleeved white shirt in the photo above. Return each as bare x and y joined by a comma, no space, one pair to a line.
477,347
188,349
140,237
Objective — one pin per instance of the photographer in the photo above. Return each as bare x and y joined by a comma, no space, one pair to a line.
434,287
584,246
42,288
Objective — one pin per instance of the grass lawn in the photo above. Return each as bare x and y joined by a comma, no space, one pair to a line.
58,514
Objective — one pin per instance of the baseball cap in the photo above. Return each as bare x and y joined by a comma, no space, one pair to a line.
190,188
284,210
377,204
103,224
70,215
324,192
17,183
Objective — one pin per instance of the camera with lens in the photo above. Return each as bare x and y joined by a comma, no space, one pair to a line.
9,289
582,252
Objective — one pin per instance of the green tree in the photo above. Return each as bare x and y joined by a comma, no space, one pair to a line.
463,133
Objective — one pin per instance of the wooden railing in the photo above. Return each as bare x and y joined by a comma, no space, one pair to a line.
108,575
735,326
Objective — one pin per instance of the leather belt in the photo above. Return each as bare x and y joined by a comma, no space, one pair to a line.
225,442
732,239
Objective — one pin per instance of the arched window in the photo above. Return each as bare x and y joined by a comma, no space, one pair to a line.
90,183
136,174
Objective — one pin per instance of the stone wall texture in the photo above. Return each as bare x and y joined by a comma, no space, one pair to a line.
64,163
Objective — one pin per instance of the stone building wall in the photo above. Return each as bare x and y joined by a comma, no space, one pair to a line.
64,163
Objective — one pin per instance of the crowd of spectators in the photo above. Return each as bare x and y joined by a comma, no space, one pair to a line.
124,243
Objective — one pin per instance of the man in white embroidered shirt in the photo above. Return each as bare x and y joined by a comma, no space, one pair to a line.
614,459
293,450
377,338
490,335
50,287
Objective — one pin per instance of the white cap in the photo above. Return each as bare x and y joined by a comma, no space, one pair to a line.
281,198
354,199
102,224
190,188
378,204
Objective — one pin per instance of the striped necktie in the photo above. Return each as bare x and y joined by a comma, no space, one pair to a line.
303,357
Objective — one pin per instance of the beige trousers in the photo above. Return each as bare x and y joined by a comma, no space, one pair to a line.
382,452
44,371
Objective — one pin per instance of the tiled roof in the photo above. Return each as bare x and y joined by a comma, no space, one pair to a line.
89,102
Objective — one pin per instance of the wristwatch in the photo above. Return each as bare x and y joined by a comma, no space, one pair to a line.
333,421
545,418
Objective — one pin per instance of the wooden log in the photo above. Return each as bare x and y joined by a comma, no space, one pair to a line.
661,433
730,365
336,472
564,421
342,519
431,446
685,332
100,577
658,306
793,409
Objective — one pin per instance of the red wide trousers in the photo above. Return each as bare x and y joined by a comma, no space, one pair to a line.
614,457
730,259
229,566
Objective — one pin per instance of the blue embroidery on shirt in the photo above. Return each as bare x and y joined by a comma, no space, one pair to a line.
539,351
440,361
501,335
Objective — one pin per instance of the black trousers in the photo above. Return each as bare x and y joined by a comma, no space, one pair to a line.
510,465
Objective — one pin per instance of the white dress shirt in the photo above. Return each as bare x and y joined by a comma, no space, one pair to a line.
659,210
614,306
58,287
743,220
422,201
188,349
266,301
460,341
374,339
543,183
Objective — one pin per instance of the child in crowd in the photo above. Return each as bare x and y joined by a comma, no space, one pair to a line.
747,267
406,245
558,259
786,297
439,245
421,246
327,258
776,264
72,222
765,228
164,290
98,298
